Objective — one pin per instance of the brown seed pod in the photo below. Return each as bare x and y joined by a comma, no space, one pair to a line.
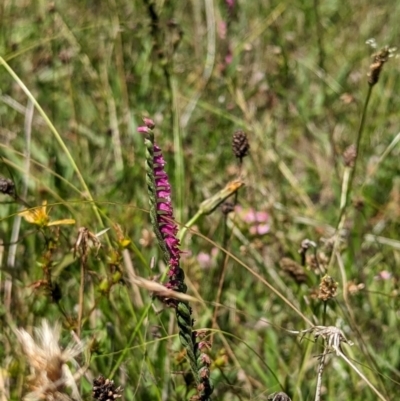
240,144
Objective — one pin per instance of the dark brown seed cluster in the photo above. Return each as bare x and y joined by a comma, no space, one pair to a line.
104,389
240,144
7,187
294,270
378,59
281,396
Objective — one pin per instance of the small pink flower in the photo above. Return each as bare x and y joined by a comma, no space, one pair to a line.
229,57
230,4
259,229
383,275
257,220
261,217
204,260
222,29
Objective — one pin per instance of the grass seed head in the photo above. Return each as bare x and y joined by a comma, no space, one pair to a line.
281,396
378,60
105,390
327,288
293,269
240,144
7,187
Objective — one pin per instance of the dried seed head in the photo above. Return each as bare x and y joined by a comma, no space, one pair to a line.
378,59
332,336
105,390
327,288
227,207
7,187
292,268
240,144
350,155
281,396
50,371
354,288
305,245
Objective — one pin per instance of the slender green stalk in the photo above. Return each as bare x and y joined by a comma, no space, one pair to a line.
182,232
319,32
58,139
178,151
348,178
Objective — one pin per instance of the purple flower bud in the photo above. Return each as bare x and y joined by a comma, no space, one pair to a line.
148,122
143,130
230,4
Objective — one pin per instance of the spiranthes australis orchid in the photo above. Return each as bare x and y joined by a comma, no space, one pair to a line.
50,375
161,211
162,218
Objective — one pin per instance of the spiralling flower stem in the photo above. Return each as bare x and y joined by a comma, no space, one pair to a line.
162,218
161,211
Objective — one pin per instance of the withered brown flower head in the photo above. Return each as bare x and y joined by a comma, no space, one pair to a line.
105,390
7,186
50,374
281,396
240,144
378,60
295,270
327,288
350,155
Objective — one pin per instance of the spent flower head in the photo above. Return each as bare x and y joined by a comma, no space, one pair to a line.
50,374
378,60
105,390
281,396
240,145
7,186
327,288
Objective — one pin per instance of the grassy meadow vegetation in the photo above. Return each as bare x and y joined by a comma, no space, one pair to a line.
292,280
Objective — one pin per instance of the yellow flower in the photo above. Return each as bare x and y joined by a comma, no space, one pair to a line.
40,217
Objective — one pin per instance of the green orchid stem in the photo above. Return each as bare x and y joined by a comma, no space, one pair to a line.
59,140
182,232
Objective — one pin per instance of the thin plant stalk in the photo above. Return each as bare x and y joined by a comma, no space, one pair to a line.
348,178
370,385
319,32
17,221
321,367
58,138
